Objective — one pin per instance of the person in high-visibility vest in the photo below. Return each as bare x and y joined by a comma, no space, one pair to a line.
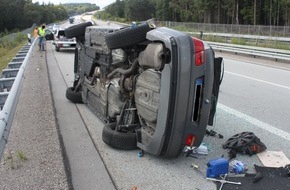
41,34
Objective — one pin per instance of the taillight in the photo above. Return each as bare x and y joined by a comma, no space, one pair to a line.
199,52
190,140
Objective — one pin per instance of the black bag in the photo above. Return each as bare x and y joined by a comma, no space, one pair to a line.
245,143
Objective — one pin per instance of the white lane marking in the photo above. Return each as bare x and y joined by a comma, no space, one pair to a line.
256,122
278,85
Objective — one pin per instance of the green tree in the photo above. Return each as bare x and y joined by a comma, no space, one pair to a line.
255,12
285,4
139,9
79,8
163,11
116,9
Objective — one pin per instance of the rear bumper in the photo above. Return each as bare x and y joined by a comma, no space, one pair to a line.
64,44
183,84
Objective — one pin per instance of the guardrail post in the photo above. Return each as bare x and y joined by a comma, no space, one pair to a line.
14,65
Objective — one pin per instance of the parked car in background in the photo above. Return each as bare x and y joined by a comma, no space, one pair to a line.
61,41
49,34
155,88
55,27
71,20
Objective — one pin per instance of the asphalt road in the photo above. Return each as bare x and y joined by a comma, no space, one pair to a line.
253,98
261,92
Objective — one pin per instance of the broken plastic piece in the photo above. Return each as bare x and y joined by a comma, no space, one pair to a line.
287,169
202,149
140,154
257,177
237,167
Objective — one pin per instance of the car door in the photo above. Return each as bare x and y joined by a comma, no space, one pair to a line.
49,35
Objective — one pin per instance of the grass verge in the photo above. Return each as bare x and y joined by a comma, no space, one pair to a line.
9,55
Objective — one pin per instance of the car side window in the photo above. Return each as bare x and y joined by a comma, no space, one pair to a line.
60,34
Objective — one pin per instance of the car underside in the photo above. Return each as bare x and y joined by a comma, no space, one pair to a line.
155,88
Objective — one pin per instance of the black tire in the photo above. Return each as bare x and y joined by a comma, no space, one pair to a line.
127,37
118,140
57,48
74,96
77,30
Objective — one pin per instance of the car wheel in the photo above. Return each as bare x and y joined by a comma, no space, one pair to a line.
74,96
57,48
127,37
118,140
77,30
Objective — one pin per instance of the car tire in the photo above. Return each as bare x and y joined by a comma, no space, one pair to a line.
127,37
73,96
77,30
118,140
57,48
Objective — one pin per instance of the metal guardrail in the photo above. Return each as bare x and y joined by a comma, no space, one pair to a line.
252,51
281,31
10,88
244,36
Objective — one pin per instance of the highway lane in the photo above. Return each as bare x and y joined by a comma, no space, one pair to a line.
261,92
233,116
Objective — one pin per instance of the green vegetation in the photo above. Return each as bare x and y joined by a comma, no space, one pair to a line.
10,160
79,8
9,48
245,12
227,12
180,28
15,161
21,156
21,14
128,10
212,38
239,41
275,45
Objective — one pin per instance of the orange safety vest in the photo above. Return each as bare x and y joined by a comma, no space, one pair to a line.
35,33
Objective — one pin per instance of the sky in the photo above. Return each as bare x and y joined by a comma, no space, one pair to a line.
100,3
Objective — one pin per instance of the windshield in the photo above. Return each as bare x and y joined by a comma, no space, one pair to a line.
61,33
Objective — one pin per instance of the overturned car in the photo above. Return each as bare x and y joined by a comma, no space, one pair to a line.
155,88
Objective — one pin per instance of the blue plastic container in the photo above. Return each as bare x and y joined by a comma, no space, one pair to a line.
217,167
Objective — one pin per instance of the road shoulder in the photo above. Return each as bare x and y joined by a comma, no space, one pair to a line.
86,166
33,156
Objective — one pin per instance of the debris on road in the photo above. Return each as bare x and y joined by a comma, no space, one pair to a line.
273,158
237,167
213,133
224,181
244,143
217,167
